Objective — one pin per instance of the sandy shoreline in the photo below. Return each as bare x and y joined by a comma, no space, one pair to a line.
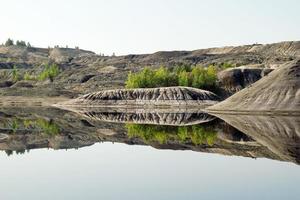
7,101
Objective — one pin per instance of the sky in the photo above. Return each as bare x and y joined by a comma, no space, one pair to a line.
140,26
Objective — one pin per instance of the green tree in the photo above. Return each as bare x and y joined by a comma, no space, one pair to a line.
146,78
9,152
183,78
21,43
211,75
142,79
198,77
131,81
161,77
9,42
183,67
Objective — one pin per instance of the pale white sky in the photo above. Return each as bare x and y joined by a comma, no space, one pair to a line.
140,26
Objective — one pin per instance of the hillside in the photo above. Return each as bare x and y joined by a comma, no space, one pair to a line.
163,96
84,71
278,91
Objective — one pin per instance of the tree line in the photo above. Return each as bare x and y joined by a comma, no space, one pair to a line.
189,76
20,43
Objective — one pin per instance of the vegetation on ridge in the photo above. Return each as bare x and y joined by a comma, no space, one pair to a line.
48,127
191,76
49,71
20,43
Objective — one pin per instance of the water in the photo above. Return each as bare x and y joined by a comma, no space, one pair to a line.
49,153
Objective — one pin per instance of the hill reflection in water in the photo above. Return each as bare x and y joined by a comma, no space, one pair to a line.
26,128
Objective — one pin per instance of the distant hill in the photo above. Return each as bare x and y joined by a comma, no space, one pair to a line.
84,71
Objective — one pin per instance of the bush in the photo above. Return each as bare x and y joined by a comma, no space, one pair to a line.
15,74
28,77
48,127
226,65
49,72
198,77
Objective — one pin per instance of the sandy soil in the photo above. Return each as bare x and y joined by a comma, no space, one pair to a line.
7,101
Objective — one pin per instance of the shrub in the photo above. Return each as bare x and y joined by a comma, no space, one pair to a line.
48,127
14,125
226,65
15,74
28,77
49,72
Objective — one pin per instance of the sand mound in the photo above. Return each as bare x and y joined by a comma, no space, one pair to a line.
168,96
233,80
278,91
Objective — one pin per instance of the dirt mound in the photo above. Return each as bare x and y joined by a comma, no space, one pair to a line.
278,91
280,134
63,55
167,96
233,80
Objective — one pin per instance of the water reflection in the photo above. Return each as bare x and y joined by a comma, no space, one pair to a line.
145,116
280,134
22,129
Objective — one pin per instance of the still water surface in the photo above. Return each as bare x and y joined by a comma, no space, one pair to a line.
49,153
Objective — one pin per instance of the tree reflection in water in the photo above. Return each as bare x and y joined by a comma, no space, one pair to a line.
195,134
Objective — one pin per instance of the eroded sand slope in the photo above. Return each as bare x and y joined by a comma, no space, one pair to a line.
278,91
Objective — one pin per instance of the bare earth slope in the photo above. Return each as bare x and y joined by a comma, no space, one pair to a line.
280,134
165,96
278,91
84,71
70,130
